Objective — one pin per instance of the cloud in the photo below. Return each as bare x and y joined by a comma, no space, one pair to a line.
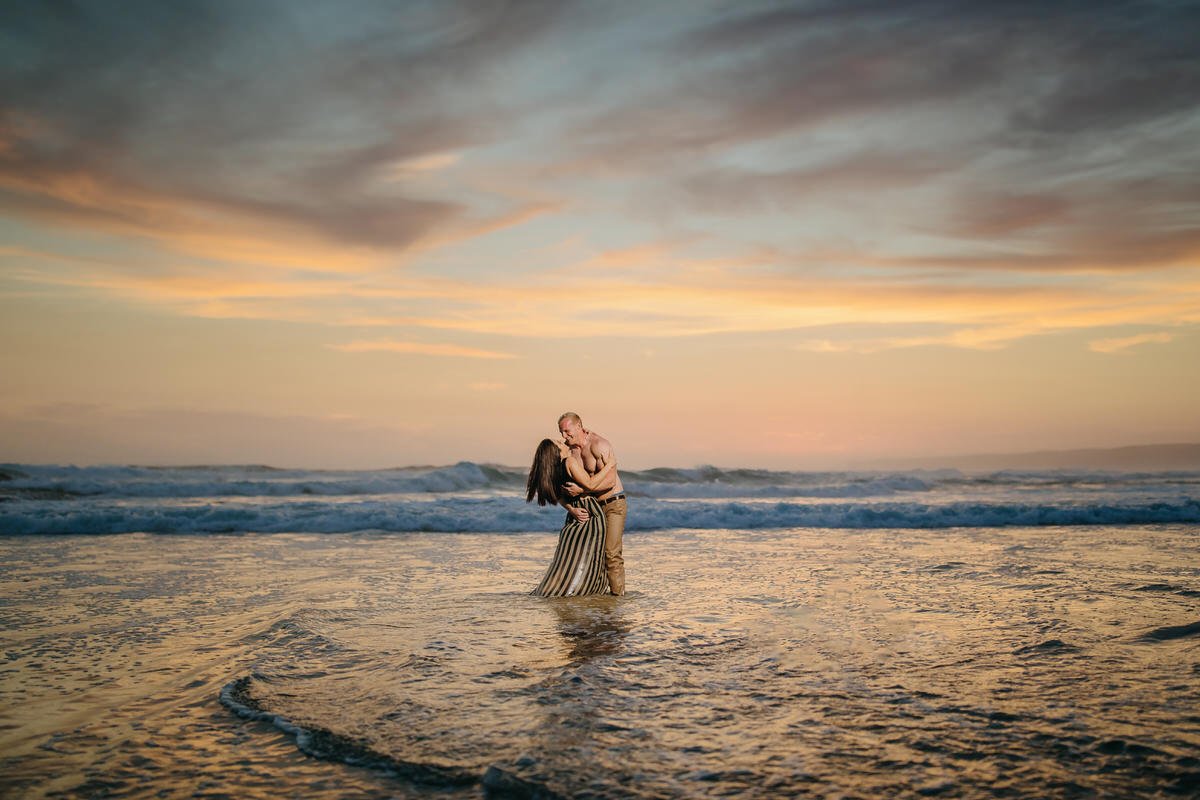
1034,138
274,133
419,348
1003,214
427,163
637,299
830,346
1124,343
262,233
747,191
1098,219
767,71
1135,64
764,167
254,134
1065,68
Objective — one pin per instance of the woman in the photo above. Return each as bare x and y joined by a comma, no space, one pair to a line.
578,564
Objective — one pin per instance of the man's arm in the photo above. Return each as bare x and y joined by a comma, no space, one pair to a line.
576,471
602,480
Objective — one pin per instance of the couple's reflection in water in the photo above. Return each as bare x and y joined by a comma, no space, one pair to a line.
582,704
576,724
591,627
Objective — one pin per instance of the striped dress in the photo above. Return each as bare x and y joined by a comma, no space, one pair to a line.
578,564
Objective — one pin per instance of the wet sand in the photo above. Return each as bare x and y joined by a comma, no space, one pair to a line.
1050,662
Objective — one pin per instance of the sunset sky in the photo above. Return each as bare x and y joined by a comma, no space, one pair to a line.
775,235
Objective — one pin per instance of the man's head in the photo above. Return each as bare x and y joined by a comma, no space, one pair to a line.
571,428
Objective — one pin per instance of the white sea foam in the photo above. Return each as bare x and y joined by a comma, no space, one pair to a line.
485,498
253,481
506,514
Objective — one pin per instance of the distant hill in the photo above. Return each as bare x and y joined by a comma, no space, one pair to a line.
1152,457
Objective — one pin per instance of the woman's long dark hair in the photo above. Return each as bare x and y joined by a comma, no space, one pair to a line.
546,476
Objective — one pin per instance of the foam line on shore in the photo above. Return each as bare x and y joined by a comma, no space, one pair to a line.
329,746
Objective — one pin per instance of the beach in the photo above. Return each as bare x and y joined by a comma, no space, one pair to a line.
985,661
876,322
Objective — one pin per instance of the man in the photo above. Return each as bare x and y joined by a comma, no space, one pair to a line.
595,451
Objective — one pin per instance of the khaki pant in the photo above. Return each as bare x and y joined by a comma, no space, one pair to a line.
614,531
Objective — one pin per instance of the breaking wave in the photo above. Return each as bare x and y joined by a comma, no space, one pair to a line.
469,497
509,515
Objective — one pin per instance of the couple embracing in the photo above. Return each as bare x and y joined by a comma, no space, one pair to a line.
580,474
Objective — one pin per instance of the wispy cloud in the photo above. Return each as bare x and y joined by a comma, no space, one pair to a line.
772,167
430,162
1123,343
313,163
647,292
419,348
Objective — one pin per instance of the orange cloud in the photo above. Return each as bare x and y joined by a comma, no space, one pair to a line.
93,202
429,162
607,294
419,348
362,229
1124,343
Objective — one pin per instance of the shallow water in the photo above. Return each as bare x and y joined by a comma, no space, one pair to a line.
982,662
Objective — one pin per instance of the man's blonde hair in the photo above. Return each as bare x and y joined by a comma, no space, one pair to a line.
571,415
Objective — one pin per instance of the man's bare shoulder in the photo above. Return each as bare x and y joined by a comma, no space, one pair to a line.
600,446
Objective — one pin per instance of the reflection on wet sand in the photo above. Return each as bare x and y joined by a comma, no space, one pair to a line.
591,626
972,663
585,722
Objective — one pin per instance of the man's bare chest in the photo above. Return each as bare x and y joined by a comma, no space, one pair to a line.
590,462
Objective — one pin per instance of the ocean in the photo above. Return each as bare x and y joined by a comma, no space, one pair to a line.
256,632
485,498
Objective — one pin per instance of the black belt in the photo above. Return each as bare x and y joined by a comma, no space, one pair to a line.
613,499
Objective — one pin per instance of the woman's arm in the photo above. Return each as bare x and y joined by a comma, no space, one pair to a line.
590,483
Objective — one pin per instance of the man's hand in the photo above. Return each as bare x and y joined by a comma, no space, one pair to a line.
580,514
573,489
